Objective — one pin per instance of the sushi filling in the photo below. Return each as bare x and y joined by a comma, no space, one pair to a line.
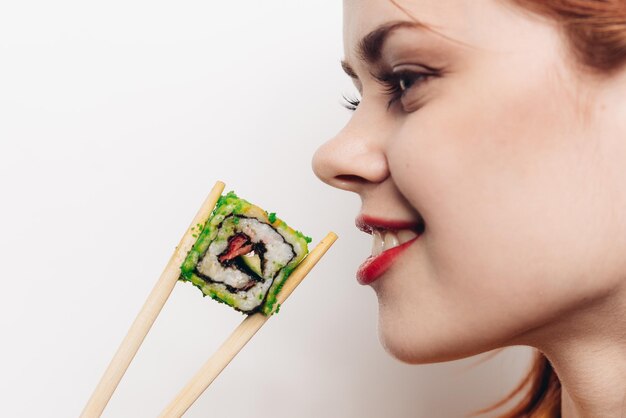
239,244
246,255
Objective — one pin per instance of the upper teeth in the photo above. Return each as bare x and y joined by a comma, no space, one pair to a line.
385,240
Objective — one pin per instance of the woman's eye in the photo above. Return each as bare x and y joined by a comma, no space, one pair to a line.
405,83
402,84
399,85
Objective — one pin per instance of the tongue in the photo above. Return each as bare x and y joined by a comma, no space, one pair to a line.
238,245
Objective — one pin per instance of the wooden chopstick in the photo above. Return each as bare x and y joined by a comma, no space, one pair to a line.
150,310
240,336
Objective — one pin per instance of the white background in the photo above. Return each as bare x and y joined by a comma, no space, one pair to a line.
116,118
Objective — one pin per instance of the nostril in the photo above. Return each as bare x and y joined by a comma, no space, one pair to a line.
349,182
349,178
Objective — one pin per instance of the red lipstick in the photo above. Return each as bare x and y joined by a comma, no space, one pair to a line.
369,223
375,266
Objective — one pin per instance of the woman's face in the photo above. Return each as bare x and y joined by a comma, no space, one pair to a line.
484,129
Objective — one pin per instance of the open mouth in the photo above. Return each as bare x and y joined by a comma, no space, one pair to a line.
389,234
390,238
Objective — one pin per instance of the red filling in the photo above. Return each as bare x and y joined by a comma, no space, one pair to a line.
237,245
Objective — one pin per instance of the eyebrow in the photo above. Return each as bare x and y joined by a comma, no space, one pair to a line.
369,48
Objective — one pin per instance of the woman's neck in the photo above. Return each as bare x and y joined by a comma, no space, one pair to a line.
588,354
593,381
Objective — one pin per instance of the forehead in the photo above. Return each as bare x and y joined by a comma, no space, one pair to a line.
472,22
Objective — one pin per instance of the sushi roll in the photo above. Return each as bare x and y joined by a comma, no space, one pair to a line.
243,255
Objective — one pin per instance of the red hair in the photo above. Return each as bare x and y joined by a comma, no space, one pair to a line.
595,29
541,393
596,33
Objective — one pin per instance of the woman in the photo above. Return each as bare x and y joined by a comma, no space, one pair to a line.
489,151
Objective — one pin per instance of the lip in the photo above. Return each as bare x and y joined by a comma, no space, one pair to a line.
368,223
375,266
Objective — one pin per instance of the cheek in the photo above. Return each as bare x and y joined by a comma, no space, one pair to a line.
516,214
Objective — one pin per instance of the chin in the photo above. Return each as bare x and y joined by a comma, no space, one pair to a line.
414,344
404,349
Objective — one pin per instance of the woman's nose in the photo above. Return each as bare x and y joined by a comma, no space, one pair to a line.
354,158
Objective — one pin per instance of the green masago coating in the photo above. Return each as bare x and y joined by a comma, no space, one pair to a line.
248,282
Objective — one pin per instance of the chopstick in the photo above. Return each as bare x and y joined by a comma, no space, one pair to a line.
150,310
240,336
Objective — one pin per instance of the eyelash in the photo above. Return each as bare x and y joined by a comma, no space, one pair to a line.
350,103
392,82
